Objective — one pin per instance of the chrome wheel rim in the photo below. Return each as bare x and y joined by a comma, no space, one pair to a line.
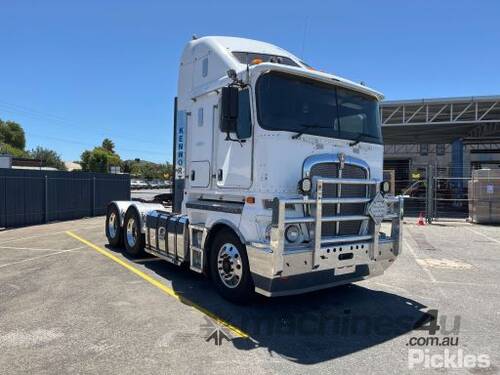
112,225
229,265
131,232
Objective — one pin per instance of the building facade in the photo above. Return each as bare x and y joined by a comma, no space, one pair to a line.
454,135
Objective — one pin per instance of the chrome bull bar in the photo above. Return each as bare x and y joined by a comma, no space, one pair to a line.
280,220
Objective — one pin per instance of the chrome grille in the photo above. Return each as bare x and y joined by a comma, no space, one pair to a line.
332,170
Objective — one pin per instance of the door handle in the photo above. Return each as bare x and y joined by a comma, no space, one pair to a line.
219,175
193,175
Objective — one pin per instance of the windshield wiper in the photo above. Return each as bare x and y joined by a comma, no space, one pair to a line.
357,140
297,135
305,127
360,137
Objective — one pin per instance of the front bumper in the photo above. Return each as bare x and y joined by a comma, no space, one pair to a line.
297,276
278,270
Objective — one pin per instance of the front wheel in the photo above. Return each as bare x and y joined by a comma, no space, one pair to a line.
133,238
229,268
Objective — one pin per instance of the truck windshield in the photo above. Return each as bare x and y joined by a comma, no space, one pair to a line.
305,106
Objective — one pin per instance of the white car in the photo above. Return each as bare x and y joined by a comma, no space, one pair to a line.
138,184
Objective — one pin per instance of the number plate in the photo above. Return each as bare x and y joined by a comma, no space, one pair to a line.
344,270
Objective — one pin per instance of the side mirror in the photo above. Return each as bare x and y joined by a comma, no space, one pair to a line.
229,109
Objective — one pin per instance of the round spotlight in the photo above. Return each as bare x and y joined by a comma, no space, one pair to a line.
305,185
292,233
385,187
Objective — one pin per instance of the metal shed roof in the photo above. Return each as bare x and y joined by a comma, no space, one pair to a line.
439,120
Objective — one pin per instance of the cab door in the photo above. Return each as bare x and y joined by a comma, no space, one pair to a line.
233,158
200,145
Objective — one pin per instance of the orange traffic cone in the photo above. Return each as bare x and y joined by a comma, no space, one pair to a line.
421,220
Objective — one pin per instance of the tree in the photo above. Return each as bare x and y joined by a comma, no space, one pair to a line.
108,145
166,171
100,159
148,170
11,150
13,142
12,138
48,157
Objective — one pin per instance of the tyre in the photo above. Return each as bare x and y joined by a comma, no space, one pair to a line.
113,231
132,236
229,268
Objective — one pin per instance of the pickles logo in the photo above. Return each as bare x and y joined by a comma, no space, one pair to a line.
447,359
425,350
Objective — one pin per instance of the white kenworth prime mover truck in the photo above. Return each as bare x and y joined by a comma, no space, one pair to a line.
278,176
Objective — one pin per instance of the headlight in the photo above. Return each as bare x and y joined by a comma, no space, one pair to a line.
385,187
305,185
292,233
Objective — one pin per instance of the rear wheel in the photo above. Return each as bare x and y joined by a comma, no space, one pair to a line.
229,268
113,230
133,238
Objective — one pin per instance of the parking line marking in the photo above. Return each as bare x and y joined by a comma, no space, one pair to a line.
41,256
31,237
13,239
427,271
27,248
159,285
484,235
392,287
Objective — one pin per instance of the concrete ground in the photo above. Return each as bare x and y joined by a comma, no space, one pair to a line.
67,308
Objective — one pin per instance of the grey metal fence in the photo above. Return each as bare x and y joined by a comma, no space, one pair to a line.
29,197
450,198
411,183
439,193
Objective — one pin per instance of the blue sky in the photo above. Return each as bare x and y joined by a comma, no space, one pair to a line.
74,72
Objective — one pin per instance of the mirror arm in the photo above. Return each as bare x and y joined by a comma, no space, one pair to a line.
238,83
240,141
231,73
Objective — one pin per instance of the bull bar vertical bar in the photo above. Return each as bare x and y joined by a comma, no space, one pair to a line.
278,234
279,220
317,224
